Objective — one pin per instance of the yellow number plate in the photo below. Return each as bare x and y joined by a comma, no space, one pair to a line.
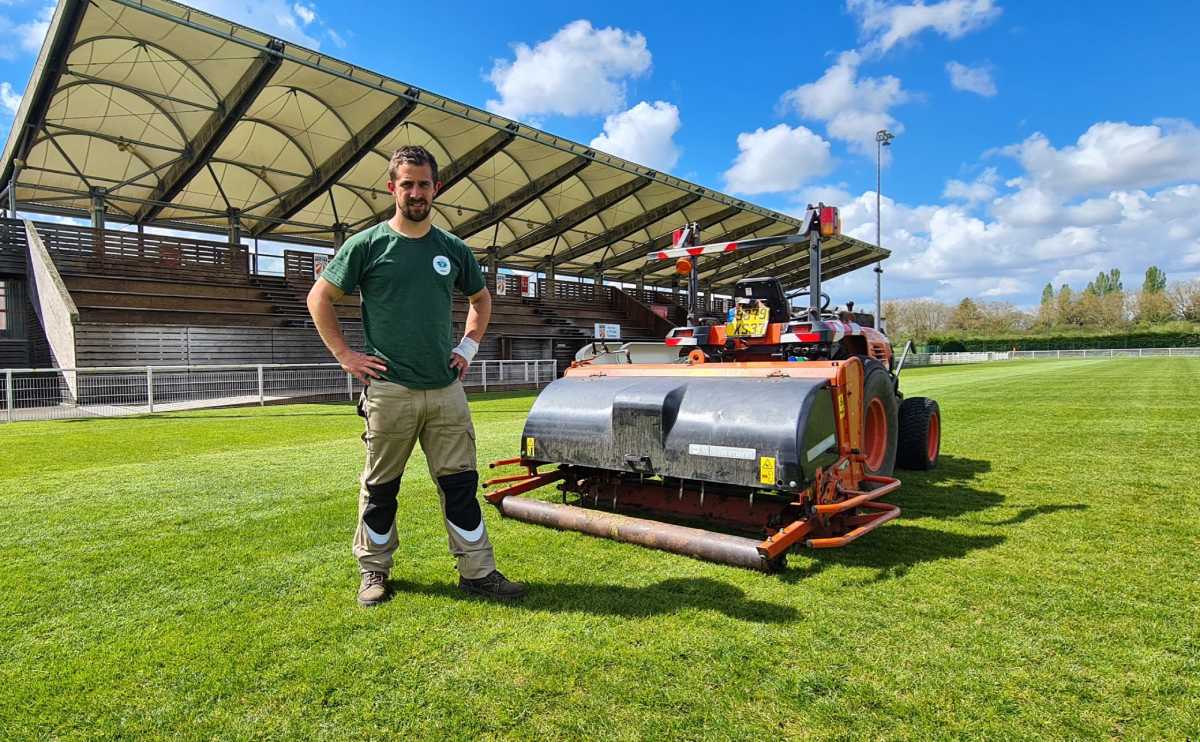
749,322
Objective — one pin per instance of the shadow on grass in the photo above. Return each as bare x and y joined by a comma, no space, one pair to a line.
1027,513
664,597
945,492
891,550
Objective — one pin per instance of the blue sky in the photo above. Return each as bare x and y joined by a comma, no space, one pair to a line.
1036,141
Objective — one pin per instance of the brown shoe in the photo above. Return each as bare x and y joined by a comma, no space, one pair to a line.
494,586
373,589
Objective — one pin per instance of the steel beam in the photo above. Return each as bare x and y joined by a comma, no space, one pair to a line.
341,161
575,216
513,202
721,261
457,170
64,26
463,166
215,129
628,227
732,235
840,265
664,241
770,260
140,92
784,264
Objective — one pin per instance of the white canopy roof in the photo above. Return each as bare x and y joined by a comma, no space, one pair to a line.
178,118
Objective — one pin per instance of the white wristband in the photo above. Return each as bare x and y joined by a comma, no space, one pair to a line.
467,348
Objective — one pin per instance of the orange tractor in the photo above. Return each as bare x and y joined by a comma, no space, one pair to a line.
774,430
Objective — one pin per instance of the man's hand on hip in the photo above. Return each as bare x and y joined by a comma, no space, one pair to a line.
459,364
462,355
361,366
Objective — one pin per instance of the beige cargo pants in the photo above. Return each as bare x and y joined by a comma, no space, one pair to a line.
396,418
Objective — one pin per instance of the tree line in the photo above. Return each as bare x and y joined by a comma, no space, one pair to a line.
1103,305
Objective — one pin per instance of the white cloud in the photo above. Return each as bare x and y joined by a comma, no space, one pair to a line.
17,39
976,80
305,13
885,24
945,252
279,18
9,98
852,108
979,190
643,134
832,195
579,70
1071,213
1112,155
33,33
777,159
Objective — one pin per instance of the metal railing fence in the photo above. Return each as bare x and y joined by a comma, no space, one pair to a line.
46,393
946,359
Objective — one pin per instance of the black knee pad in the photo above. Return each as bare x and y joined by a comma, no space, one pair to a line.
380,512
462,507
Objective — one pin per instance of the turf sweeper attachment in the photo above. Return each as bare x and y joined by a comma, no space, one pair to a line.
785,427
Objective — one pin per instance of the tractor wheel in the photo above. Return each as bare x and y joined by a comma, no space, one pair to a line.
920,434
880,412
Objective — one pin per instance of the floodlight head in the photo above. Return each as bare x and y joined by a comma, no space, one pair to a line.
884,137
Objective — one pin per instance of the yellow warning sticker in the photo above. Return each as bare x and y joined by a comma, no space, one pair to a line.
529,447
766,470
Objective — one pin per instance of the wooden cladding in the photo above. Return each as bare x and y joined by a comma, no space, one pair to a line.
83,249
12,247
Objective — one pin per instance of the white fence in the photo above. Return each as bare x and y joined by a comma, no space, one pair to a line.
49,394
945,359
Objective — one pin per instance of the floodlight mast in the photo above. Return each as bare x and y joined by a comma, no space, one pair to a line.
883,138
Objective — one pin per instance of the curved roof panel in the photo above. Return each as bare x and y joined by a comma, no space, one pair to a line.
178,118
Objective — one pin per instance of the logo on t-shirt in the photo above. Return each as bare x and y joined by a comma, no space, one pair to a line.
441,264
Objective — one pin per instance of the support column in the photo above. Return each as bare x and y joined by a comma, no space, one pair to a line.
493,268
98,222
641,286
547,291
235,243
98,208
235,227
339,236
12,188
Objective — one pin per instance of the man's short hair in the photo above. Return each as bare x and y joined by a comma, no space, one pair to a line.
412,154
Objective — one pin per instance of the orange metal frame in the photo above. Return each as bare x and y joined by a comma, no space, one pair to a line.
835,496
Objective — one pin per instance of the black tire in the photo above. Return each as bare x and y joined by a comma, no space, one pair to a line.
879,385
920,434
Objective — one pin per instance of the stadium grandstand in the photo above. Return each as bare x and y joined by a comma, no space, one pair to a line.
160,149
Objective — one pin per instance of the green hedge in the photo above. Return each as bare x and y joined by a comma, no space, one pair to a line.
1148,339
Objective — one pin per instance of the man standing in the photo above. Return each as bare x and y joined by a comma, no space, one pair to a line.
406,270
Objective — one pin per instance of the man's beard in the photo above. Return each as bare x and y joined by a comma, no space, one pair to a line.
417,212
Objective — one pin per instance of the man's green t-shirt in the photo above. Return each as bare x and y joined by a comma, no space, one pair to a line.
407,294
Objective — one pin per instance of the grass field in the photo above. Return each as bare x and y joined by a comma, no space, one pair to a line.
189,576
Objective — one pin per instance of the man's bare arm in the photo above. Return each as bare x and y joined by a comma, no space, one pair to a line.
479,314
321,297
